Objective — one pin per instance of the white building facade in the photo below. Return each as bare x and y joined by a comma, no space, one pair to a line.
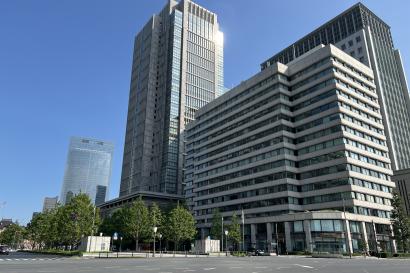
301,149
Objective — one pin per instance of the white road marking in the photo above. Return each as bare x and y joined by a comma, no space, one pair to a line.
235,267
211,268
258,267
304,266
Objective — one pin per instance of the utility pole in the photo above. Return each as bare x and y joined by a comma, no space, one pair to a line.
222,234
243,231
277,238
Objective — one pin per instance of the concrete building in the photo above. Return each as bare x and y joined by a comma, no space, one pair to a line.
367,38
50,203
88,169
177,68
165,201
95,244
402,180
301,149
4,223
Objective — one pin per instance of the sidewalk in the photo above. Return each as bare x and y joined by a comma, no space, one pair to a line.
143,255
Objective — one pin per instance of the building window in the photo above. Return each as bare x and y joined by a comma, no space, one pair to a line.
298,226
358,39
350,43
360,50
343,47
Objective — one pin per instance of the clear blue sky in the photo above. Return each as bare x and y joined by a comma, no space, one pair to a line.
65,70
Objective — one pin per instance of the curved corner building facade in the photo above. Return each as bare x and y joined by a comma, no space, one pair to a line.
301,149
177,68
88,169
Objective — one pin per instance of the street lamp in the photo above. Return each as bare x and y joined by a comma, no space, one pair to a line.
226,242
121,244
222,234
160,247
155,233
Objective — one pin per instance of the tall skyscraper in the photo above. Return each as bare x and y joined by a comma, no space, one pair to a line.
301,150
177,68
364,36
88,169
50,203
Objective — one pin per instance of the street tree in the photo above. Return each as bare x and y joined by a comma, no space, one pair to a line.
216,226
13,235
42,230
116,222
137,226
234,230
181,225
400,222
77,219
156,218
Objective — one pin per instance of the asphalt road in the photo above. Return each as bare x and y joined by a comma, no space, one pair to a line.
284,264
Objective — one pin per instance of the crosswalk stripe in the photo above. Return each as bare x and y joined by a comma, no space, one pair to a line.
31,259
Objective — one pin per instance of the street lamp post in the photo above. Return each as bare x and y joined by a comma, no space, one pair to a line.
160,247
226,242
121,244
222,234
155,233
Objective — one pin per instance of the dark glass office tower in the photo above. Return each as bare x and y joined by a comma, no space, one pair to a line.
177,68
363,35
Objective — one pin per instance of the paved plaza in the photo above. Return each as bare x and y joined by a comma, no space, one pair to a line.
17,263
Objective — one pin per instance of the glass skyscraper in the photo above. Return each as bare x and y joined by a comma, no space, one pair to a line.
88,169
177,68
364,36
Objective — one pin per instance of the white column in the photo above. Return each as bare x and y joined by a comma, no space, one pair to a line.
306,228
364,235
288,238
253,235
349,237
269,235
393,243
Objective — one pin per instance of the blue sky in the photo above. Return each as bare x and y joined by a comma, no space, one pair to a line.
65,70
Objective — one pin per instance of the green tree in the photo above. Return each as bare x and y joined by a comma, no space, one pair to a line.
362,245
400,222
137,226
116,222
12,236
42,230
181,225
156,218
76,219
234,231
216,227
